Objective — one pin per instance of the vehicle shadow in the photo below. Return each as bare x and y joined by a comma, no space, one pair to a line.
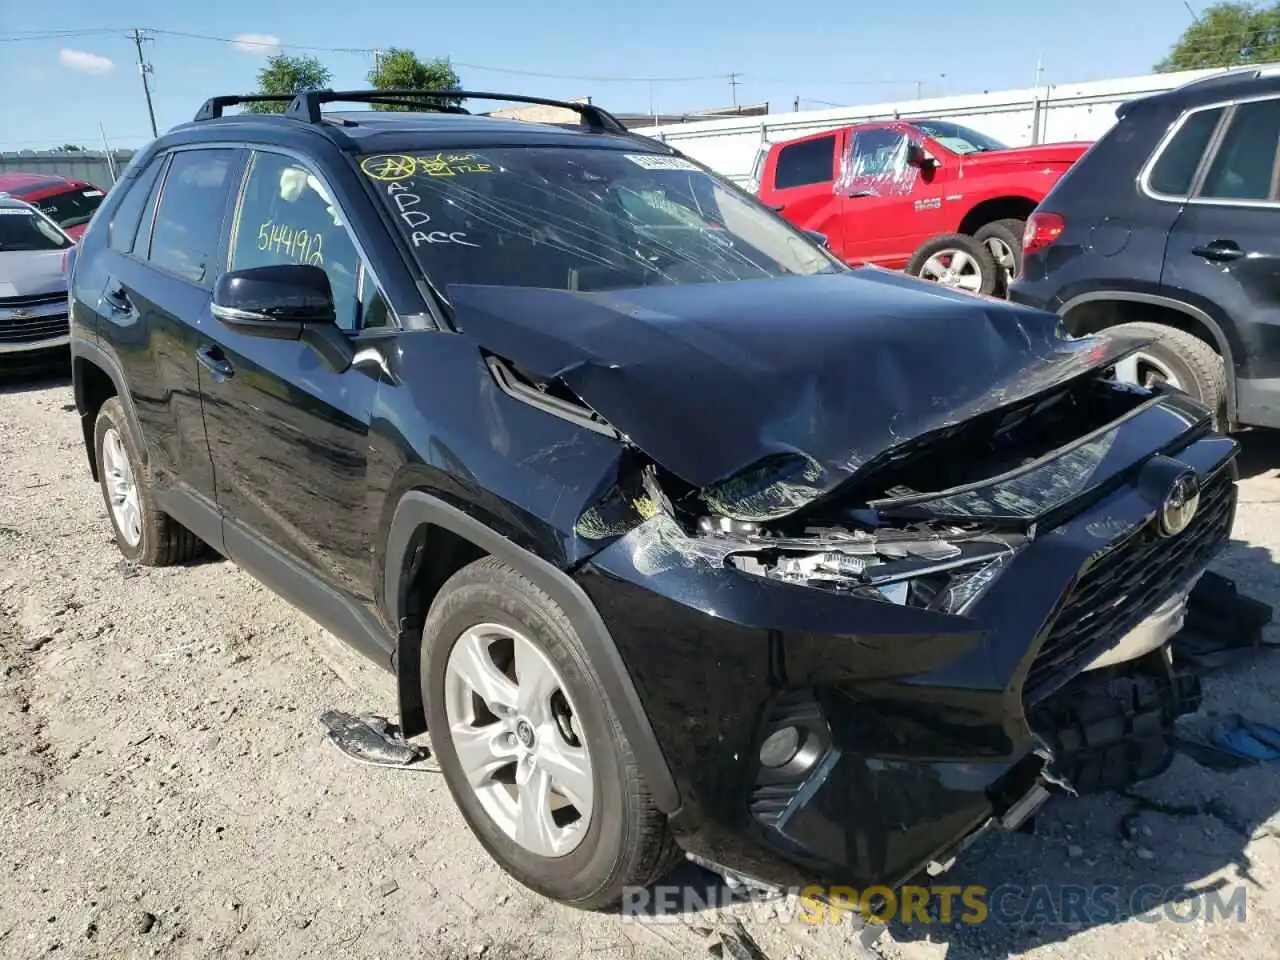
34,378
1172,850
1259,452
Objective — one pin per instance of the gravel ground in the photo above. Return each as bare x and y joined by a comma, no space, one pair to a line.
165,789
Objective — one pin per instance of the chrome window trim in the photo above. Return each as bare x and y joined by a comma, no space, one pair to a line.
1224,122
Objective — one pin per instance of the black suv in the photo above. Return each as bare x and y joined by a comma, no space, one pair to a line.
1169,227
677,533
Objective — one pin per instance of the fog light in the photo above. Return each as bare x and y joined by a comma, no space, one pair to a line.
780,747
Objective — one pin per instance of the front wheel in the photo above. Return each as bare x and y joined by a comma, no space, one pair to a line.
529,746
956,260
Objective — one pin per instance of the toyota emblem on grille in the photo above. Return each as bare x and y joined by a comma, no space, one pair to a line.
1180,504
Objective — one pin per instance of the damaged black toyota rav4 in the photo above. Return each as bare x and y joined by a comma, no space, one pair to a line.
678,534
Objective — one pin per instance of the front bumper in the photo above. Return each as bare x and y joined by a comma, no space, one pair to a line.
930,725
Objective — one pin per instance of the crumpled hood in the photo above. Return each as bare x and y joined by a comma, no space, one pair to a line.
824,372
30,273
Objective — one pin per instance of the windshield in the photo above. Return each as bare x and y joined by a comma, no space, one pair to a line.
956,138
23,230
71,208
583,219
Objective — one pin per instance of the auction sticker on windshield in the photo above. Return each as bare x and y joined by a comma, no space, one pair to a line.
652,161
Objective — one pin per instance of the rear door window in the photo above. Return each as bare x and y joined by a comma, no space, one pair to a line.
1244,167
188,221
803,164
1178,162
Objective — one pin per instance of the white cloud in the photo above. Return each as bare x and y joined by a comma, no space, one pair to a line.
83,62
261,44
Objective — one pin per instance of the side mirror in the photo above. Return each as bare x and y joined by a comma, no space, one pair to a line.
818,237
918,157
283,302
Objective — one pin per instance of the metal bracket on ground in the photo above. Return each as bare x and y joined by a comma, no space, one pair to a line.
371,739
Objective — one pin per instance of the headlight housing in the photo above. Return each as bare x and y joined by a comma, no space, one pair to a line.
928,572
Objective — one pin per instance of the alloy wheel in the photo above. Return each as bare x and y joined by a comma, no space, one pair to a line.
1146,370
518,739
953,268
122,488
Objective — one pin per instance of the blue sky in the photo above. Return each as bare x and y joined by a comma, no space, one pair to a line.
841,51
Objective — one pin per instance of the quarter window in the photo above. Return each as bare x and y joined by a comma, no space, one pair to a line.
137,190
801,164
1173,172
188,223
287,216
1244,167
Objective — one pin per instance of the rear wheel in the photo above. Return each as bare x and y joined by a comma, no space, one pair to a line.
1179,359
955,260
1003,240
144,533
529,746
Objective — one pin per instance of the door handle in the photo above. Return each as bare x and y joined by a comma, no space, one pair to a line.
1220,251
211,359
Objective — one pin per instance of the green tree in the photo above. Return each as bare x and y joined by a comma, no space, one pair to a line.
69,148
286,74
399,69
1227,35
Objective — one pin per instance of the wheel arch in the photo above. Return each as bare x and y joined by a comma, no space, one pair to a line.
96,377
1097,310
425,526
1006,207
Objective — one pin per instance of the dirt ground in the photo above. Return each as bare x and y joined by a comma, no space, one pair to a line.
165,789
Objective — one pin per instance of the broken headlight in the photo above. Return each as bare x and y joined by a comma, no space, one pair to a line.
927,572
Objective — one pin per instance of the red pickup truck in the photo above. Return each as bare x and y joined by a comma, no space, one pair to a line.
942,201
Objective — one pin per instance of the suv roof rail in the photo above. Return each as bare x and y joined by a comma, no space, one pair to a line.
1232,74
306,106
212,108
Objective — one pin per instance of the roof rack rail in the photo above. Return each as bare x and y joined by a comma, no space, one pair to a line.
306,105
212,108
1231,74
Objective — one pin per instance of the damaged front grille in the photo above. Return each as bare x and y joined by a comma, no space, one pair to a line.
1123,586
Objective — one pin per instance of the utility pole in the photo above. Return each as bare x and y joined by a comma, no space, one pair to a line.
377,62
919,89
733,89
145,68
795,108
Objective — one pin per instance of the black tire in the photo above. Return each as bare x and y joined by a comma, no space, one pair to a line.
627,841
1009,233
989,275
164,541
1198,367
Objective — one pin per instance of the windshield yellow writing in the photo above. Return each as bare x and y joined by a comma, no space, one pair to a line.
394,167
